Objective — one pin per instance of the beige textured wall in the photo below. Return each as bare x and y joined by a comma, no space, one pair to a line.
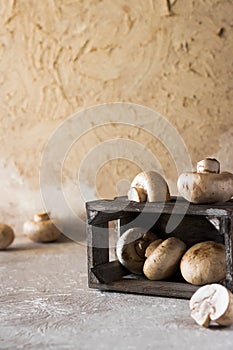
61,56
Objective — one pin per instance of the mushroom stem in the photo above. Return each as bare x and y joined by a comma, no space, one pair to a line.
140,248
206,185
137,195
208,165
41,217
131,248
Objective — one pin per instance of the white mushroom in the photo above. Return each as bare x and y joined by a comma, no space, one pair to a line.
149,186
131,248
151,247
41,228
6,236
206,185
212,302
208,165
204,263
164,261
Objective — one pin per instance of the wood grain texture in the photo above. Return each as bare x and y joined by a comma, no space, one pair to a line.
177,205
143,286
227,227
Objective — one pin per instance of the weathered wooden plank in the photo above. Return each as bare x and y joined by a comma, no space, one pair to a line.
156,288
95,217
227,229
191,229
177,205
109,272
98,244
97,247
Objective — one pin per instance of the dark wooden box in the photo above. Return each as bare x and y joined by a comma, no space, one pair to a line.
197,223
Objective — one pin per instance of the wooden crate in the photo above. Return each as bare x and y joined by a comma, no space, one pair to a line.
200,223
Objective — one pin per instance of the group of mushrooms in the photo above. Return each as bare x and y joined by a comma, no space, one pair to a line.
203,264
206,185
40,229
143,252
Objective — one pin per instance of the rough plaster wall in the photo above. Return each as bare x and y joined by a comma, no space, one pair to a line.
58,57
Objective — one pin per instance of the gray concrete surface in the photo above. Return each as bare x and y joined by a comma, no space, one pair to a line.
45,304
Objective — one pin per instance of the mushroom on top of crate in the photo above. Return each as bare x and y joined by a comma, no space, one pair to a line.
207,184
149,186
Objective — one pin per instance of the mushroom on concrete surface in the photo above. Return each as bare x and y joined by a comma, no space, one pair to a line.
149,186
41,228
212,302
131,247
204,263
6,235
207,184
164,261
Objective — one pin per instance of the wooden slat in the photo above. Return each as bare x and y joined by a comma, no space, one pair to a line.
98,243
176,206
97,248
227,229
192,229
109,272
156,288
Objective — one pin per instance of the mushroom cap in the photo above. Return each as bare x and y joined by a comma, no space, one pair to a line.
149,186
163,262
204,263
6,235
212,302
131,248
41,231
151,247
206,187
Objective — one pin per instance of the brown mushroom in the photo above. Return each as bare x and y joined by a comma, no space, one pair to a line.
6,235
164,261
204,263
41,228
212,302
131,247
206,185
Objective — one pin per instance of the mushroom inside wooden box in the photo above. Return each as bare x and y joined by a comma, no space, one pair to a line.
151,259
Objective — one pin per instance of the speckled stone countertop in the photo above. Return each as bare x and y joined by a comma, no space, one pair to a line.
45,304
